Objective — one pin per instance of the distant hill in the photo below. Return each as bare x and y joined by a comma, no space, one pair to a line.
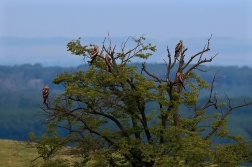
21,82
53,51
21,95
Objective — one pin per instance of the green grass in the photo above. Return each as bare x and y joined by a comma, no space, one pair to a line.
15,154
11,156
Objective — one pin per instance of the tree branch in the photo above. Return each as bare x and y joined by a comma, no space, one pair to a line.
225,115
152,75
209,101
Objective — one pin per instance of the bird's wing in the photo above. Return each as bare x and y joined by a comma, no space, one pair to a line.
179,46
95,51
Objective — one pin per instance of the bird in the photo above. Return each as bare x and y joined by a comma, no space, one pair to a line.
108,62
179,79
45,92
94,53
178,48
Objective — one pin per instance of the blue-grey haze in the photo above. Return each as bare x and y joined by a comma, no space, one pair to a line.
52,51
38,31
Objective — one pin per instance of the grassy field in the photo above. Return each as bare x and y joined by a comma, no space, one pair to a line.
14,154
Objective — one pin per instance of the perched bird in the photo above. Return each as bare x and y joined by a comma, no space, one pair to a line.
178,48
108,63
45,92
94,53
179,79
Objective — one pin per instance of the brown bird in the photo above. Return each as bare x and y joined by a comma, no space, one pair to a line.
178,48
94,53
108,63
179,79
45,92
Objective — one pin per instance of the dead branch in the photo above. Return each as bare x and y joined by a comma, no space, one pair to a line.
196,68
248,130
225,115
209,101
124,44
170,65
200,60
156,79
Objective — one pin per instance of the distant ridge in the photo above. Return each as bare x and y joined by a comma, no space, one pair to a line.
51,51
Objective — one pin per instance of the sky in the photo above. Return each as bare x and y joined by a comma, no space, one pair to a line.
160,20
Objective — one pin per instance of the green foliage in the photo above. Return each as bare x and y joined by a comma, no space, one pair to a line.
76,48
235,154
48,146
108,123
56,163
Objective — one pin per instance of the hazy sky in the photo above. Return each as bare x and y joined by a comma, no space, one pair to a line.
161,20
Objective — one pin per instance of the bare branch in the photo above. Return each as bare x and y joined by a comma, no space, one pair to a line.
209,101
229,100
225,115
170,65
152,75
200,62
201,69
124,44
248,130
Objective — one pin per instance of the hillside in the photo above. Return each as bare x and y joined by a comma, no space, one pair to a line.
21,97
15,154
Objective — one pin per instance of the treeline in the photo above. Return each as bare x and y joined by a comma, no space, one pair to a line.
21,96
23,78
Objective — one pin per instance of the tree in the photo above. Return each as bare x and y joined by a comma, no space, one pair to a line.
129,117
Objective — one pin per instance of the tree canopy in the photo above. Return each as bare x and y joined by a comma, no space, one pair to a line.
116,116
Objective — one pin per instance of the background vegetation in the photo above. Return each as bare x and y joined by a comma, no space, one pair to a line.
21,95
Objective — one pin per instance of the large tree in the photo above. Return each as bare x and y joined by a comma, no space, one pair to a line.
117,115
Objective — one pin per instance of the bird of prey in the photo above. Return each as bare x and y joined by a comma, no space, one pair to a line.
178,48
180,79
45,92
94,53
108,63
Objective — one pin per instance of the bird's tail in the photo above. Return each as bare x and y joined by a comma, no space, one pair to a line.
176,54
45,101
